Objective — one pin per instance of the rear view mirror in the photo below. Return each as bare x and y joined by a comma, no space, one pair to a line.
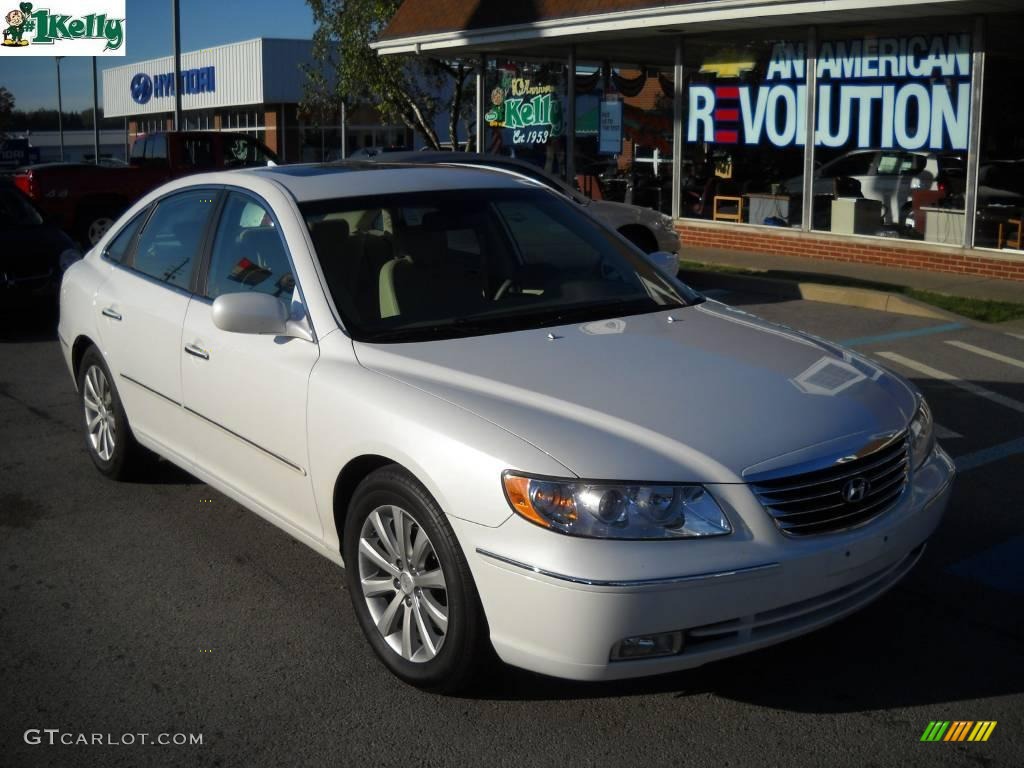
666,263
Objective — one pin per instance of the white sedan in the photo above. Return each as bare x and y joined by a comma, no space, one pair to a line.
513,429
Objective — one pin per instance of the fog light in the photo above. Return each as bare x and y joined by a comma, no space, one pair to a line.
646,646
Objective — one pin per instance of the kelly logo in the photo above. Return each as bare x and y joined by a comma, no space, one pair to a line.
75,29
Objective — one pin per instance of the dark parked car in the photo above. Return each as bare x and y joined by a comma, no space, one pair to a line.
35,252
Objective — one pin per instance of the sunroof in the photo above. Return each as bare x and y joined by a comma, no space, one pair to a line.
309,170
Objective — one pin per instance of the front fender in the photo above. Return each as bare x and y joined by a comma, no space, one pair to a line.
457,455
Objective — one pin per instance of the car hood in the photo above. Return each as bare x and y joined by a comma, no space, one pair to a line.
621,212
715,396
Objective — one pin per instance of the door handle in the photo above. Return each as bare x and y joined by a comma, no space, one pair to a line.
195,351
112,313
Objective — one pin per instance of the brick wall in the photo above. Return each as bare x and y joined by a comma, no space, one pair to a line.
906,255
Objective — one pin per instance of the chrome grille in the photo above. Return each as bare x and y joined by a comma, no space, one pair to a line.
814,502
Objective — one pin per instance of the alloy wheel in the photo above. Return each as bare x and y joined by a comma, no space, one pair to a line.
98,402
98,228
403,584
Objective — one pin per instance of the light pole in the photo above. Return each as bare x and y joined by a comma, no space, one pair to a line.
176,32
60,110
95,115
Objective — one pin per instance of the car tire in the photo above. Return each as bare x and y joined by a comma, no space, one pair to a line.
93,223
108,438
641,237
417,605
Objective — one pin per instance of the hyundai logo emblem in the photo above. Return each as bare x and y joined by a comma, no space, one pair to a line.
141,88
855,490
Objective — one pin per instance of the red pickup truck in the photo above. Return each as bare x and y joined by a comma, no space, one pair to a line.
85,199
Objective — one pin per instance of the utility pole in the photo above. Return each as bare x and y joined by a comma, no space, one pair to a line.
95,115
344,130
60,110
177,64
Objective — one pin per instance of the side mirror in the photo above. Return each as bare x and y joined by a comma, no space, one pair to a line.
665,262
257,313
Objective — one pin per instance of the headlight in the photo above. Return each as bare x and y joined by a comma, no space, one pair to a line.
611,511
666,223
68,257
922,434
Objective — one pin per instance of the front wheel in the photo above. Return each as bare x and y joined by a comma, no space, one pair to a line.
410,584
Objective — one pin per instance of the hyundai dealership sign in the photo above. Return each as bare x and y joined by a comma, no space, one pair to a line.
201,80
262,72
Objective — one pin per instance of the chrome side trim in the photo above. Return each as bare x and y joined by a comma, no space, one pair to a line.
627,582
247,441
150,389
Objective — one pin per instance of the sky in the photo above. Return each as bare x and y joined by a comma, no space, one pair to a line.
33,81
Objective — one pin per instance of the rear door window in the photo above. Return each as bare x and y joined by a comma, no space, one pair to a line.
168,247
120,245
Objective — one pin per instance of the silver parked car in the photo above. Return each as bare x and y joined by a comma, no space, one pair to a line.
513,430
647,229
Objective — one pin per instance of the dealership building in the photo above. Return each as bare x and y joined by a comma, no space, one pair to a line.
252,86
855,130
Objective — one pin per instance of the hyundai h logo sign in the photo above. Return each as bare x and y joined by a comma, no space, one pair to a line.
855,490
201,80
142,88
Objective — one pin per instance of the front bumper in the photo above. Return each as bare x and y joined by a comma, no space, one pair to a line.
556,605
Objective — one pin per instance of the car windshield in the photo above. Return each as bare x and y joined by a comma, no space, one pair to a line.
420,266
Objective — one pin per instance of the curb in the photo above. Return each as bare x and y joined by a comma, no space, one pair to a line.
864,298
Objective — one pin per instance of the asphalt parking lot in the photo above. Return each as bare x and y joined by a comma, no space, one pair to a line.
163,607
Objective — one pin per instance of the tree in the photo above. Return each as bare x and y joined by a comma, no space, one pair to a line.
403,88
6,108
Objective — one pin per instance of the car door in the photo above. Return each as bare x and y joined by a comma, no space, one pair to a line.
142,307
245,394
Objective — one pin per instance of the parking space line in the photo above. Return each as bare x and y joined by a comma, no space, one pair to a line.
997,567
987,353
985,456
862,340
967,386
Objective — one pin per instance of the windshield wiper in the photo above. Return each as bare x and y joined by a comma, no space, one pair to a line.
474,325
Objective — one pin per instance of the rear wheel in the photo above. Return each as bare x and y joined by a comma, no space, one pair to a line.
410,584
108,438
93,223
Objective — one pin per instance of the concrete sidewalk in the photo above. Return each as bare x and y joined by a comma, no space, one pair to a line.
797,269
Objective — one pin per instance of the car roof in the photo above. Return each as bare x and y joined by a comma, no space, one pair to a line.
322,181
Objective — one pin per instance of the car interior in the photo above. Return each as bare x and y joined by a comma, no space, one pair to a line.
417,264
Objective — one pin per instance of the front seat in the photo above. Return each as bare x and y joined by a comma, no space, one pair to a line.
330,240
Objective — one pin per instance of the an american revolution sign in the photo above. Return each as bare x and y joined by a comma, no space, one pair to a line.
905,92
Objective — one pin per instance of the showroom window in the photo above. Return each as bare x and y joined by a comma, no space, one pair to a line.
892,124
744,128
524,113
1001,166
